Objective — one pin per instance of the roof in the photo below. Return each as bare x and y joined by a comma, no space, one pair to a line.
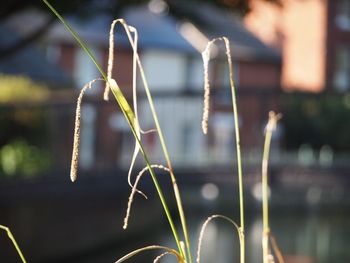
164,30
154,31
214,22
29,62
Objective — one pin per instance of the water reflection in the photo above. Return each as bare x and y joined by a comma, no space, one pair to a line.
303,237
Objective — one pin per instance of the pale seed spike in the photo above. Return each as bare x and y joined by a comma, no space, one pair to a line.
206,57
133,42
160,256
206,102
134,190
110,58
273,119
76,138
228,50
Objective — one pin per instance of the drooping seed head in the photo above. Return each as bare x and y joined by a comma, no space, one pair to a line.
76,138
134,190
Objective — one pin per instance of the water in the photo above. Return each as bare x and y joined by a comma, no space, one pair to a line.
302,236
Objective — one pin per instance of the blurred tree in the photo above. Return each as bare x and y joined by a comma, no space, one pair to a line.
23,130
317,120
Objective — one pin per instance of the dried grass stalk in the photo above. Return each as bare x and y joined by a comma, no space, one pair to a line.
134,190
160,257
76,138
134,43
276,249
270,127
153,247
201,235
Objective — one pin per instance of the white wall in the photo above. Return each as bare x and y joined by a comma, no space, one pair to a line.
164,69
180,120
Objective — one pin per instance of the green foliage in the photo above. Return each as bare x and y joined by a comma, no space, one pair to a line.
23,130
20,158
317,120
21,89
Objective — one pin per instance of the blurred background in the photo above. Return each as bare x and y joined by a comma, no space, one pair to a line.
289,56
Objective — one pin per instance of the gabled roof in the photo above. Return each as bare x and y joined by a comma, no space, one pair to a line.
214,22
154,31
29,62
164,30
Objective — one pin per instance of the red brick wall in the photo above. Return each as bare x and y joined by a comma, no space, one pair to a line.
66,59
259,75
122,68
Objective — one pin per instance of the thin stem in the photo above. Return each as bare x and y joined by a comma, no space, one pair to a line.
206,58
238,146
270,127
162,142
203,228
130,117
154,247
276,249
167,159
12,238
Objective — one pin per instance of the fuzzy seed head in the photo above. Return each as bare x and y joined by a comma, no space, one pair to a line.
76,138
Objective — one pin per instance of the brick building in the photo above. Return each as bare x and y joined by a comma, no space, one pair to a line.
170,43
314,38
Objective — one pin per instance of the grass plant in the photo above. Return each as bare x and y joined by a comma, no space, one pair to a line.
206,59
134,127
183,252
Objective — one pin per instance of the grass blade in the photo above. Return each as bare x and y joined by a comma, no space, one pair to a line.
14,242
206,59
130,117
160,134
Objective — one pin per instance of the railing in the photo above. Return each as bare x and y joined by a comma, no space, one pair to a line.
107,144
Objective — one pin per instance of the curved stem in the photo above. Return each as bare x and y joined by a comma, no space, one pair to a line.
270,127
154,247
130,117
206,58
12,238
163,144
201,235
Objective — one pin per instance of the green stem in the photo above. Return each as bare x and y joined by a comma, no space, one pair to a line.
270,127
12,238
163,145
206,58
167,158
265,185
116,92
265,201
238,148
118,95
